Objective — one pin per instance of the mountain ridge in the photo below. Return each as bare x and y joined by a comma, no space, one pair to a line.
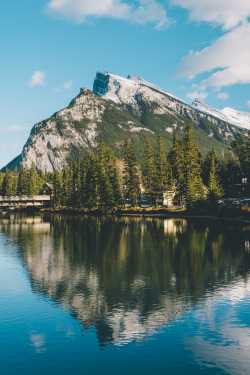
116,108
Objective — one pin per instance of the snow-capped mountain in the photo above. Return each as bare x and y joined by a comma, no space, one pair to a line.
125,107
230,115
125,90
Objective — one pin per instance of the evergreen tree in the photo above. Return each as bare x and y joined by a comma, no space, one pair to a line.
65,187
190,191
192,166
33,181
239,148
57,189
131,181
7,186
23,182
207,163
71,184
78,183
163,177
104,186
1,181
114,178
15,181
84,176
149,174
215,189
115,181
91,183
177,162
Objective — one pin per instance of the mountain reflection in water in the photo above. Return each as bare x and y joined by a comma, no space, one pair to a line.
128,277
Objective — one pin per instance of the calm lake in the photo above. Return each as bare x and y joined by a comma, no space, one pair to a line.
123,296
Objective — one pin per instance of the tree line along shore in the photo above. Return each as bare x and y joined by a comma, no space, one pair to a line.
100,181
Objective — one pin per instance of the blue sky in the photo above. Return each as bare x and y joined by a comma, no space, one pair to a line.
51,48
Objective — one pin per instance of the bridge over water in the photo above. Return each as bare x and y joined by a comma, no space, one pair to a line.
33,200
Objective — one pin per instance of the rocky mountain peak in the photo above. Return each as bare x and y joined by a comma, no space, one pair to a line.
124,107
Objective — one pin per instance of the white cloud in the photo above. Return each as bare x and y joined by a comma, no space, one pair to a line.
222,95
196,95
227,13
228,56
248,104
37,79
67,85
14,128
227,59
138,11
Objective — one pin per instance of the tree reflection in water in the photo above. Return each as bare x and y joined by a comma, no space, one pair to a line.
128,277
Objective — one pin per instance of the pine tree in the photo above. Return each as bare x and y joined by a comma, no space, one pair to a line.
114,178
190,191
23,182
240,147
71,184
78,183
65,187
207,163
192,166
215,189
1,181
131,181
91,183
104,187
33,181
15,181
84,175
7,186
149,174
177,162
163,178
57,189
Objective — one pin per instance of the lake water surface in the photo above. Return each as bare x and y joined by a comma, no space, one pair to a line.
123,296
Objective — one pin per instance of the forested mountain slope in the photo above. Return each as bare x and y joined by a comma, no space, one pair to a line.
118,108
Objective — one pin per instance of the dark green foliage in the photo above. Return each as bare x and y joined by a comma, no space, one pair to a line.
163,176
1,181
96,182
149,173
215,189
207,164
7,186
241,150
186,159
23,182
131,181
177,161
57,189
33,181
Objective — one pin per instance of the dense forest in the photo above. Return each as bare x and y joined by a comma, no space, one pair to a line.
99,180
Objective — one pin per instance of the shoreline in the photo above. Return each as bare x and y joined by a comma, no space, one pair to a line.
238,215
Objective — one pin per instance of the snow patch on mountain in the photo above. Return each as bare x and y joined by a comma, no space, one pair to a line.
142,81
126,91
229,115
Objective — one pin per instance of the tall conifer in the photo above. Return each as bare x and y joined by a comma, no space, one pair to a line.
163,177
131,180
149,174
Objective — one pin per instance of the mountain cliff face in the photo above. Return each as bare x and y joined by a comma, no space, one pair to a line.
119,107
